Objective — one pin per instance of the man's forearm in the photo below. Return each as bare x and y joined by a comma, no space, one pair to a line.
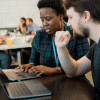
68,64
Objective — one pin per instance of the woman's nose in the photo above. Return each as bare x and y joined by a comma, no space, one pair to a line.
45,23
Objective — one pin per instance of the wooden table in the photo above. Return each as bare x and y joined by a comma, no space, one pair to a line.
62,88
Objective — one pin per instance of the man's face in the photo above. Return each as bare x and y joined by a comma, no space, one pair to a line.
27,22
75,21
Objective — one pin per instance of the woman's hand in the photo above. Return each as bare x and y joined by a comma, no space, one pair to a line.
41,69
62,38
25,67
21,25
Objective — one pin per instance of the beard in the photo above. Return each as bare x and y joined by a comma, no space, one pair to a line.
84,34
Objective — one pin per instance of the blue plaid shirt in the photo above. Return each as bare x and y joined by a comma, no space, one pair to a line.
43,53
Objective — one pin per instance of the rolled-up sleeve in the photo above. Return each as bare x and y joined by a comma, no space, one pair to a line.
34,59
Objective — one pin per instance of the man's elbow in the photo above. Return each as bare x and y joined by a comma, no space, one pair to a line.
71,76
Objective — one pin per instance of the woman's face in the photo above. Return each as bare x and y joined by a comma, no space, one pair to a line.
50,20
22,21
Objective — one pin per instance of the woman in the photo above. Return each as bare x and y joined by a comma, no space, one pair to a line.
22,25
44,58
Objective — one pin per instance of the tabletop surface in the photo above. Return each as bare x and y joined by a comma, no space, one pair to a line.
17,45
62,88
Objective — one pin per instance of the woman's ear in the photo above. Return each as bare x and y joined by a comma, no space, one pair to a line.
61,17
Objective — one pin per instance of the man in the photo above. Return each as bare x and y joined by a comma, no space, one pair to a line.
84,19
32,27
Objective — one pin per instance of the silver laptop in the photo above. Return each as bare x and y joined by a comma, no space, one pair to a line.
25,89
17,75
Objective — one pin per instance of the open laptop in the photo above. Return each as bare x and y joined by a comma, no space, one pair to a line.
25,89
17,75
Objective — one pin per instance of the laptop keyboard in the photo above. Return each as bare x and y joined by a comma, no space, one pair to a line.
18,89
14,75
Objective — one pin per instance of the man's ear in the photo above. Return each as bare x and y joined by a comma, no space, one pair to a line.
87,16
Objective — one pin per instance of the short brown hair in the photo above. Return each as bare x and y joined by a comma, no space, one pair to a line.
93,6
30,19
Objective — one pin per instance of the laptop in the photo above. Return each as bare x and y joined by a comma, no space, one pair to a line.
25,89
17,75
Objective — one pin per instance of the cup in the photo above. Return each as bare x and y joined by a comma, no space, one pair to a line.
10,42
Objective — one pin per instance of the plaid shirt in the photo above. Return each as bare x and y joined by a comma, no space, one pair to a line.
43,53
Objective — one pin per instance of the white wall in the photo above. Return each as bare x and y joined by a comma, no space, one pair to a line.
12,10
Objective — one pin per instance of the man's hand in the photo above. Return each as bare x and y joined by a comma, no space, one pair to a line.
33,33
25,67
27,33
41,69
62,38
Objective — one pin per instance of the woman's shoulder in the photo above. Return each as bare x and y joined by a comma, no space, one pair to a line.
41,32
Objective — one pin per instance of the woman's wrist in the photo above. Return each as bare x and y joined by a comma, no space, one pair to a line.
56,70
32,65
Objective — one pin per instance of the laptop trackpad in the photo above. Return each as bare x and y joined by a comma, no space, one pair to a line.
36,87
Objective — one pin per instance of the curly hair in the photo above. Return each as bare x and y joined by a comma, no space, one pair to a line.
56,5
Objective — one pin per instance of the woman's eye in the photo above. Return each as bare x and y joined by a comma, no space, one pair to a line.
42,20
48,19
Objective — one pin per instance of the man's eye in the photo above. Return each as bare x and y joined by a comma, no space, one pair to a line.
69,17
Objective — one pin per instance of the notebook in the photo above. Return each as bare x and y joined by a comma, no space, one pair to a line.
17,75
25,89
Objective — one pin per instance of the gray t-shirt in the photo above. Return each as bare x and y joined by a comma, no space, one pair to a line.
94,56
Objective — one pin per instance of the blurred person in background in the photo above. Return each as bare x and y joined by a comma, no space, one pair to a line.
31,26
21,25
